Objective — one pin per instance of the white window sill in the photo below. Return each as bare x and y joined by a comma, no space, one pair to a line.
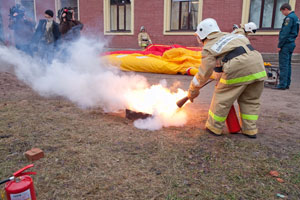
118,33
179,33
265,33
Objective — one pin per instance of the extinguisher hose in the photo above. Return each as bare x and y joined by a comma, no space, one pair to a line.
6,180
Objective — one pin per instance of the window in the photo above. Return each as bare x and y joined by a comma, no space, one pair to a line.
266,13
181,17
184,15
118,17
69,3
120,11
29,7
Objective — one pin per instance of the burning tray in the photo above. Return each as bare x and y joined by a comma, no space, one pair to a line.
133,115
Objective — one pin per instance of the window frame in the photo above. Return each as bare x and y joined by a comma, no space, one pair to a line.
34,8
57,8
167,19
106,16
180,17
261,31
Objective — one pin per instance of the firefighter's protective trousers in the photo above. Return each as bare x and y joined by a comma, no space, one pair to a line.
247,97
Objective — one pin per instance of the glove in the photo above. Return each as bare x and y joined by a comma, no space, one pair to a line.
217,75
192,94
235,26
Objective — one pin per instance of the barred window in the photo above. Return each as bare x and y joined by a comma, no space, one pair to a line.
120,15
184,15
28,5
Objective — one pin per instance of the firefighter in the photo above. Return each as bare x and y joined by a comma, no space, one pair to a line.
286,45
143,38
242,76
245,29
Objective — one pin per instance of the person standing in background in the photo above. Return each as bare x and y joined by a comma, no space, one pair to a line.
69,27
1,29
286,45
23,28
46,37
143,38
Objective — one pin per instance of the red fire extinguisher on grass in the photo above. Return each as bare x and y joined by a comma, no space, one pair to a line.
20,185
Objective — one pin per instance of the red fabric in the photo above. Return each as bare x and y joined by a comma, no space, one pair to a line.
188,71
155,49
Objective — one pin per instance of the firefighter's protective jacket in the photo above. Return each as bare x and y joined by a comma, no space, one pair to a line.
144,39
243,69
239,31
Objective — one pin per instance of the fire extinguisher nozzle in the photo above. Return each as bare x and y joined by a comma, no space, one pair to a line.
182,101
6,180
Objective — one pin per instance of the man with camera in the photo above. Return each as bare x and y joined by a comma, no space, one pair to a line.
69,27
23,28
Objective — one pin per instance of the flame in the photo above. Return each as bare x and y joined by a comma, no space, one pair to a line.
160,102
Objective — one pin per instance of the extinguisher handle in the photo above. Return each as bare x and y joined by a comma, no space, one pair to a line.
21,171
27,173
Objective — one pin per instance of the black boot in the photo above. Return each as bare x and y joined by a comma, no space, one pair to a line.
214,134
250,136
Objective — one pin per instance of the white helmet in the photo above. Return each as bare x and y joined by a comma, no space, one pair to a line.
206,27
142,28
250,27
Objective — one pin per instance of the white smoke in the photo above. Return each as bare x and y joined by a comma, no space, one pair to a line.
83,78
158,121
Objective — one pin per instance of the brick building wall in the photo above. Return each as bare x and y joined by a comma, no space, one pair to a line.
42,5
151,15
5,5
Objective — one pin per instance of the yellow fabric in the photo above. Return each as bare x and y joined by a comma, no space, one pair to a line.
173,61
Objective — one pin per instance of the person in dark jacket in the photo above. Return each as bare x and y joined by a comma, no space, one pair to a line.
22,27
69,27
1,30
46,36
286,45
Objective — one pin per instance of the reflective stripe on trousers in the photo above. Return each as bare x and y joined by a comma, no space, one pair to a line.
216,117
249,117
244,79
